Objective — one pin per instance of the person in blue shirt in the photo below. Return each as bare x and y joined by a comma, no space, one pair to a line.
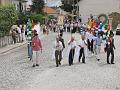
98,46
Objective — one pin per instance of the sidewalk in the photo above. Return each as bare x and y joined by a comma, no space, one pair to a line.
14,46
11,47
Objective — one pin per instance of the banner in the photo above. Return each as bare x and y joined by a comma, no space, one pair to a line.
60,20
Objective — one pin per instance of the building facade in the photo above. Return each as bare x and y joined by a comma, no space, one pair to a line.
19,4
5,2
97,7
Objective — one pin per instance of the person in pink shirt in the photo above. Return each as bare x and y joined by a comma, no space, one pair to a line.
36,47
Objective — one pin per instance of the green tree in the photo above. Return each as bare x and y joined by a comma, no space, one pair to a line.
8,17
69,5
116,19
38,6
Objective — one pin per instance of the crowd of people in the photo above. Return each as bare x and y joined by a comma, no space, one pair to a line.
18,34
91,41
92,35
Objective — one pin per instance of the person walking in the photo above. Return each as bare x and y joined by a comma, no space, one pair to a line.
19,34
36,47
22,33
72,46
62,41
83,49
58,51
13,34
98,45
110,48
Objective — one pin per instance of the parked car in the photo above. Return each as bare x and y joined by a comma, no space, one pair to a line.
118,29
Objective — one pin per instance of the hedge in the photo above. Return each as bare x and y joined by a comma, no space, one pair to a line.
8,17
39,17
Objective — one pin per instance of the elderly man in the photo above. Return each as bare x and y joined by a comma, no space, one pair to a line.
72,46
83,49
110,48
58,51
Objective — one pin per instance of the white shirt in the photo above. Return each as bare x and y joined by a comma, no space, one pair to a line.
72,44
71,26
90,37
37,28
19,30
83,43
58,45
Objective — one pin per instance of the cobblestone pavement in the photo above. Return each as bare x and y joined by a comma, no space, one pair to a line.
16,72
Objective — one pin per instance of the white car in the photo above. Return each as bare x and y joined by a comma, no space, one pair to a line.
118,29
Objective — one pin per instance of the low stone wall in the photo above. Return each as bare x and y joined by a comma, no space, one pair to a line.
6,40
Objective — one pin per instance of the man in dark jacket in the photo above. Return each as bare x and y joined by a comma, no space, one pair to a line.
62,41
110,48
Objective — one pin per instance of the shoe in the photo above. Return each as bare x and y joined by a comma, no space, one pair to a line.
37,64
84,62
112,63
69,64
108,63
98,59
30,59
33,65
56,65
59,63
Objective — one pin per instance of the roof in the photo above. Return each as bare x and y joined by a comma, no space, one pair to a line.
50,10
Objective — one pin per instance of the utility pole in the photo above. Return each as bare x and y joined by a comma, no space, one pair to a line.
46,11
73,10
78,8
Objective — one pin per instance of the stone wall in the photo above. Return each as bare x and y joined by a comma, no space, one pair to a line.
6,40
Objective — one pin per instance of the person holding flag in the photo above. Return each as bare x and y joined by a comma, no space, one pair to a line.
29,38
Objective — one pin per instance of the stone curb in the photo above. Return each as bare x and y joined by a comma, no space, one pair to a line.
12,48
17,46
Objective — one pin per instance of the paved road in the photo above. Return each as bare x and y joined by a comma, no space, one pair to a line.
16,72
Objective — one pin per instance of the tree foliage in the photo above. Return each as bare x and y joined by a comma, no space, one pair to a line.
70,1
38,6
8,17
115,19
69,5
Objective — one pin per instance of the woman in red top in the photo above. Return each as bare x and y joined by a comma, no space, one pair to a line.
36,47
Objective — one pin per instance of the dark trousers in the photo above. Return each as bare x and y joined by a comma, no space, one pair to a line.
88,44
71,56
68,29
110,51
91,48
82,54
74,30
30,53
14,39
54,29
58,57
